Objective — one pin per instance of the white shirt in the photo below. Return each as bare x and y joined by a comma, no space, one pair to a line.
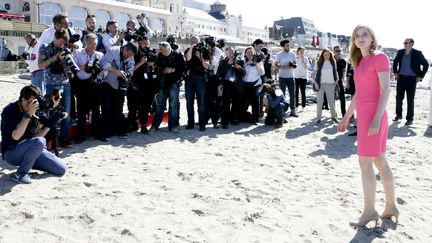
302,66
252,73
47,36
32,59
109,40
214,61
81,57
327,73
283,58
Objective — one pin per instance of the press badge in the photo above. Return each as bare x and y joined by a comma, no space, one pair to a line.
154,76
145,76
232,79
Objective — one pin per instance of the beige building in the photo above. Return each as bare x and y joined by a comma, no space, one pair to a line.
164,16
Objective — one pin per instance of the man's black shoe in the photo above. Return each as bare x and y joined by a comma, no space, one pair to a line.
102,138
79,140
293,114
353,134
189,126
409,123
144,130
397,118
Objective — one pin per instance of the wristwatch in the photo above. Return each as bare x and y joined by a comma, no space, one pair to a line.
27,116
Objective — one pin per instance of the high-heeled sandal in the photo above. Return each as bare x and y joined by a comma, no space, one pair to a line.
390,215
372,218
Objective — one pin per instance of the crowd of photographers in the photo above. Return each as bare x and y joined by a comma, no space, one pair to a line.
86,76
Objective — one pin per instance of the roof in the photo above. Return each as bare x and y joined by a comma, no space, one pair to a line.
196,13
131,6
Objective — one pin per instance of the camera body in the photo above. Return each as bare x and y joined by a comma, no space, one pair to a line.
202,48
94,68
124,82
292,65
258,57
74,38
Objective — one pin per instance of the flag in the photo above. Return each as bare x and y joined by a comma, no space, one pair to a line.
317,41
313,41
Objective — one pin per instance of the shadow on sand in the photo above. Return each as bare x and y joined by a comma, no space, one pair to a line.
367,235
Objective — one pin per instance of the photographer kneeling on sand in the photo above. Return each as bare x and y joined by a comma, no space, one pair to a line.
23,143
277,104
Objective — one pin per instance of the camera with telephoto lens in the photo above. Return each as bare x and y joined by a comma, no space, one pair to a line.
131,35
70,61
202,48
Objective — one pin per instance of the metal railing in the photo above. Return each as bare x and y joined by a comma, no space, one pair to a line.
15,28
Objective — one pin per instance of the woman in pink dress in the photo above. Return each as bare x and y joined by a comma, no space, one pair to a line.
372,81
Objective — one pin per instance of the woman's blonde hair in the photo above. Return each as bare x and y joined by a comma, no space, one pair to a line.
354,52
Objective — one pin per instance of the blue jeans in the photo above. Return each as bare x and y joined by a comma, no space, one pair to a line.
290,82
32,154
276,113
195,86
65,102
37,78
172,92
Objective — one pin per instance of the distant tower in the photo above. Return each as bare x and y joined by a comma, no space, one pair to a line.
217,7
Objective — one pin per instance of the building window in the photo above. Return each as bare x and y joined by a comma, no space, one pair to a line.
122,20
47,12
77,16
26,7
159,26
102,17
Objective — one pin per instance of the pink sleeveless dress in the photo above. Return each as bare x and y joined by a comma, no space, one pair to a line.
367,94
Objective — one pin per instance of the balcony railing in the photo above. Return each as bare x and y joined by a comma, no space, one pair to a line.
19,26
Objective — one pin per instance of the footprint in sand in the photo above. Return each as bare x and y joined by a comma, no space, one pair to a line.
85,219
198,212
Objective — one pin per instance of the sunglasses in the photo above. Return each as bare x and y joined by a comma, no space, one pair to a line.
338,51
406,43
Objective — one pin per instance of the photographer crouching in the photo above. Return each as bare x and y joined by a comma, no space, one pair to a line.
171,65
23,143
119,63
59,65
277,104
88,81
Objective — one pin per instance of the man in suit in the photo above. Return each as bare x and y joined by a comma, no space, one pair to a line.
409,67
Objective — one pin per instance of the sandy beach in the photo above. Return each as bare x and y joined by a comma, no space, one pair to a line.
299,183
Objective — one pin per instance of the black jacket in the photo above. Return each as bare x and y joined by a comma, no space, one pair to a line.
224,67
318,74
417,60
